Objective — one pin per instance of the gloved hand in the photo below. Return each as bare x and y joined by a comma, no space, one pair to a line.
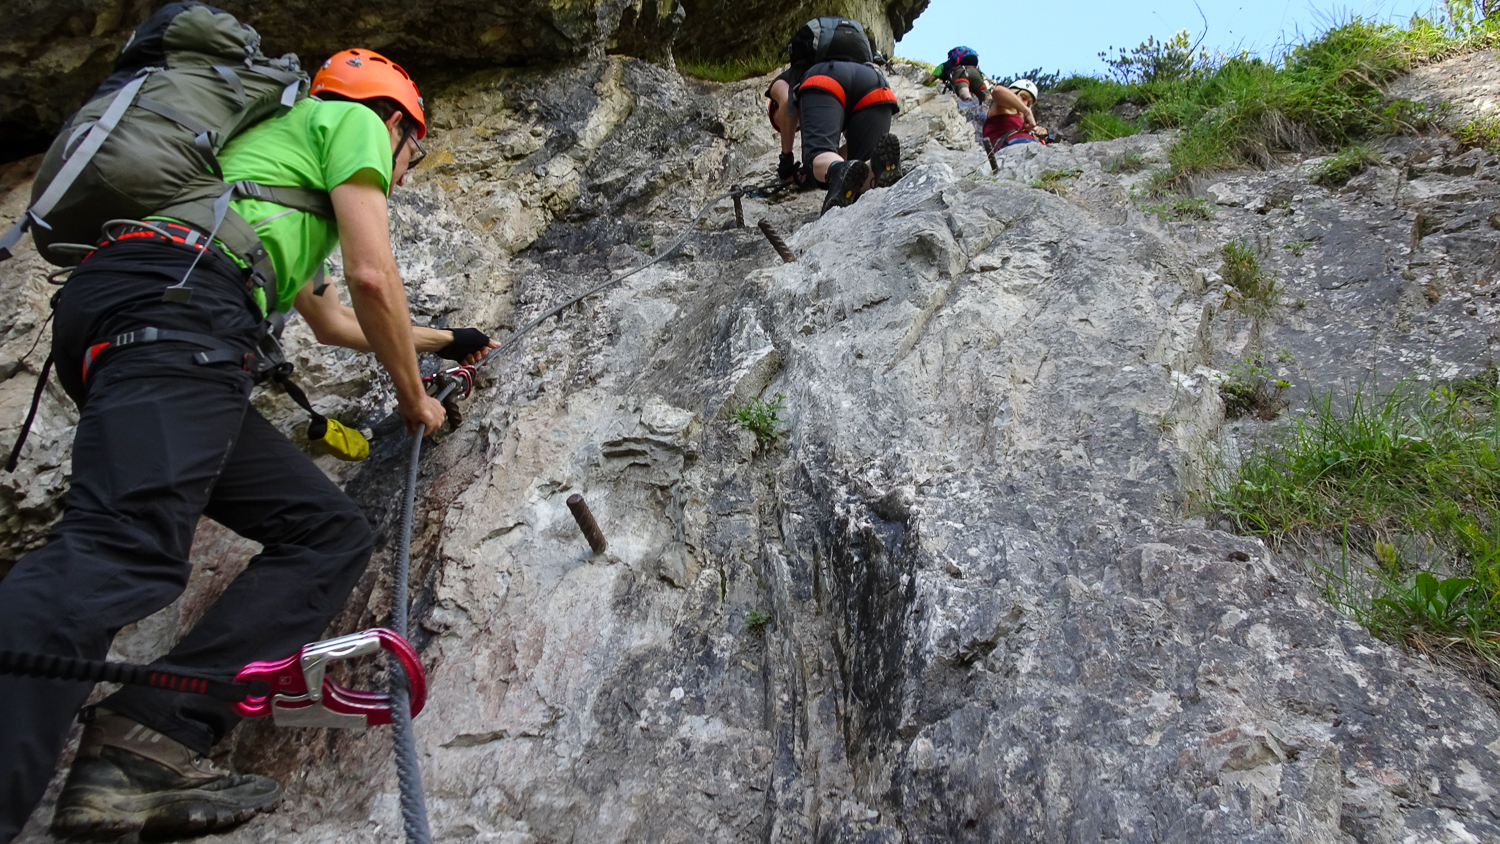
786,167
466,342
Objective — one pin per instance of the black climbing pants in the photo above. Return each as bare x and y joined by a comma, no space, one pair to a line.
844,98
160,442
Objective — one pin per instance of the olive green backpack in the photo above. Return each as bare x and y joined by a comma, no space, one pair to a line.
190,78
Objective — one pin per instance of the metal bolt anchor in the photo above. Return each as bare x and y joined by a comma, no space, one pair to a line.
586,523
776,242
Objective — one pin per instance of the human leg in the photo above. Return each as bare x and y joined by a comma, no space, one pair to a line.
316,543
153,432
144,456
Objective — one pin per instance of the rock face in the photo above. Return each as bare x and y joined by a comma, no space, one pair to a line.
959,598
54,53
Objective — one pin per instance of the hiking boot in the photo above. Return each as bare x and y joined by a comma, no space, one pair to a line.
887,161
129,779
846,181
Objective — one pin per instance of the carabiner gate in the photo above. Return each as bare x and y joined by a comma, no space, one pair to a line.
301,695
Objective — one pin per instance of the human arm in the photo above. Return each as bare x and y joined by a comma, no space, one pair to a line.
335,324
380,311
1004,101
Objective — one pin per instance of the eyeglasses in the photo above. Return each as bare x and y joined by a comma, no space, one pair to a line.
409,136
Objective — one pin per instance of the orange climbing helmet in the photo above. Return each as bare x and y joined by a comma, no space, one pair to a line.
365,75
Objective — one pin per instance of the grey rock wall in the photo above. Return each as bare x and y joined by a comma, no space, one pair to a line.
964,598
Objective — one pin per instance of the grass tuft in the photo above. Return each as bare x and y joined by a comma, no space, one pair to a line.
1483,132
1254,288
730,70
1051,181
1350,162
1408,480
1125,162
1325,94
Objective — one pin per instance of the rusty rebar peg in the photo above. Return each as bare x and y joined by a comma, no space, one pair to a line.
586,523
776,242
989,150
739,212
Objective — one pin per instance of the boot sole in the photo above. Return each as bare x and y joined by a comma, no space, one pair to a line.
850,186
99,815
887,161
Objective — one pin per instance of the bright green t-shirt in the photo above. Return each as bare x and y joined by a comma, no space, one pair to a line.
315,145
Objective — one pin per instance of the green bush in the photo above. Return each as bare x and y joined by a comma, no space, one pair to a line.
1242,271
730,70
1325,94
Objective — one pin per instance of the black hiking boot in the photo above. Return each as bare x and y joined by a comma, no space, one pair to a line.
129,779
846,181
887,161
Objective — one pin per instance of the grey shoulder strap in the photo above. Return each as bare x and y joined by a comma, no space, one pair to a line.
80,158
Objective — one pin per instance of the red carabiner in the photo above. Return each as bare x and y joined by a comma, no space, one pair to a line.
302,696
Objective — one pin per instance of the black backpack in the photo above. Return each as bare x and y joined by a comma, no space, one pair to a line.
831,39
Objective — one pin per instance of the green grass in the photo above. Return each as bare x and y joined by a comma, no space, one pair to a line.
1106,126
1051,181
1179,209
1482,132
1350,162
1325,94
730,70
1380,475
1249,389
1125,162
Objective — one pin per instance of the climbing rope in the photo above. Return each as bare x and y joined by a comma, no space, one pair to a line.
408,774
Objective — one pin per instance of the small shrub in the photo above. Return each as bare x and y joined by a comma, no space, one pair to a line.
1125,162
1051,180
1350,162
1297,247
1482,132
1157,61
756,620
1251,390
1242,271
760,418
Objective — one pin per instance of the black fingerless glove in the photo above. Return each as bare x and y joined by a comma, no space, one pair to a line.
466,341
786,168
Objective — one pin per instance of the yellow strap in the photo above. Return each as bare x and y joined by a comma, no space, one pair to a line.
343,442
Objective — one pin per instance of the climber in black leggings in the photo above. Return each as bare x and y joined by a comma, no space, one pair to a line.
852,99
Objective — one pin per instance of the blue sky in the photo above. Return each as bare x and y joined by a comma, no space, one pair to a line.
1068,35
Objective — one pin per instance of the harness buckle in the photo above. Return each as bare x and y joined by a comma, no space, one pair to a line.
301,695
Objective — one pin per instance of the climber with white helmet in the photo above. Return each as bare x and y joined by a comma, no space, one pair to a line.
1010,120
167,434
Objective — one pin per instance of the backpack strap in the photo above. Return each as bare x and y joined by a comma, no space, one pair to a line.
36,214
211,213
